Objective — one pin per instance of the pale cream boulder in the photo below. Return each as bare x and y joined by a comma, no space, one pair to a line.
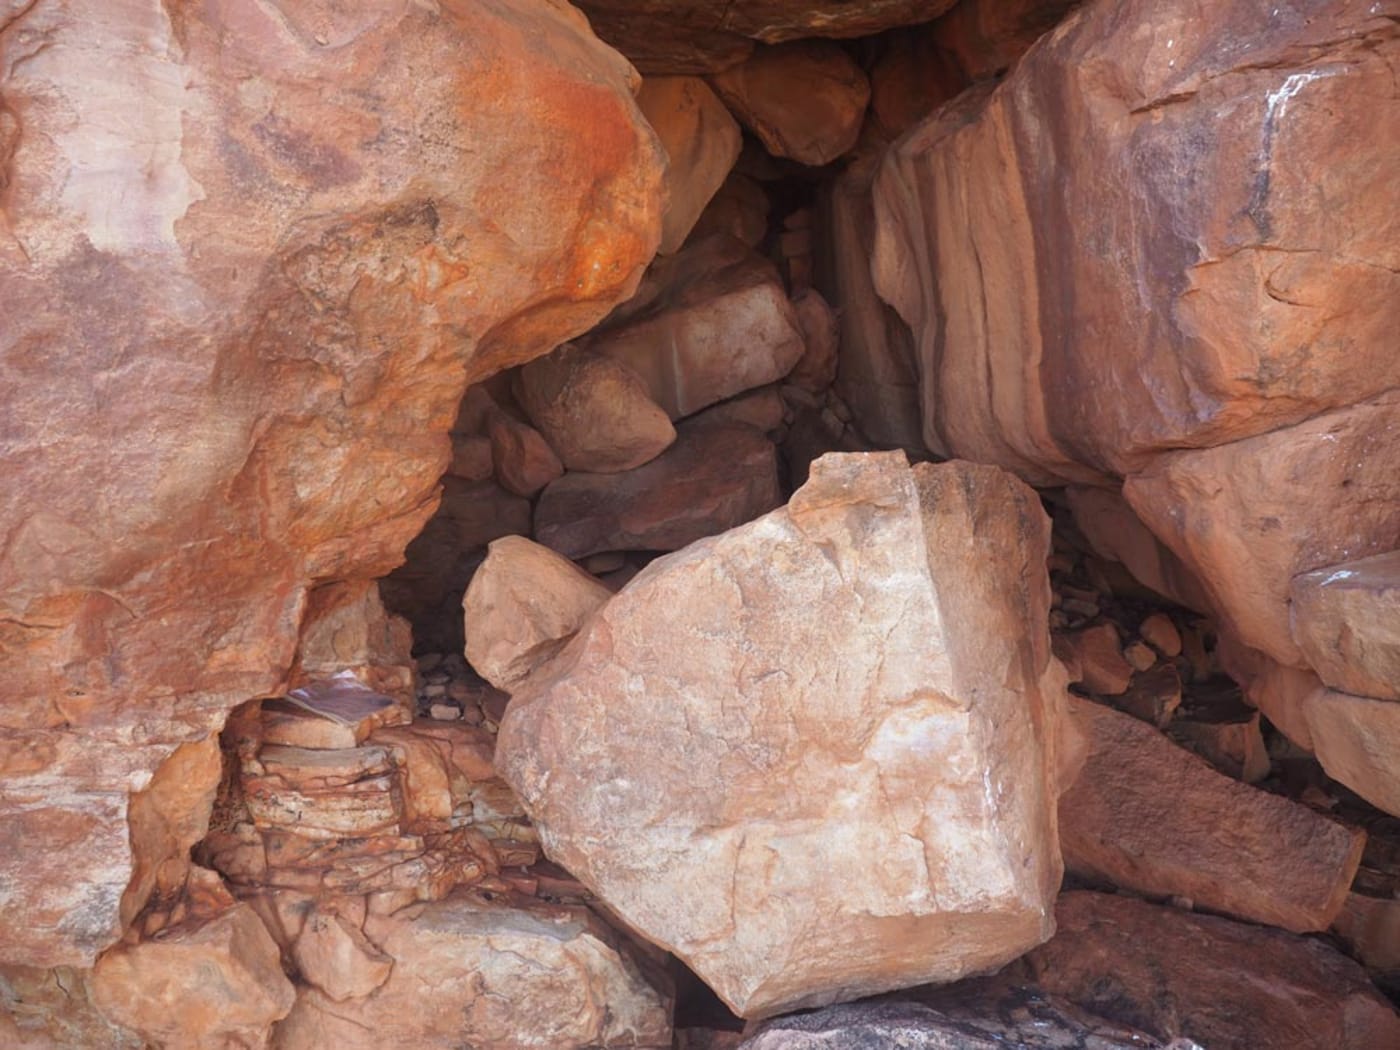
523,603
1357,740
817,756
1346,620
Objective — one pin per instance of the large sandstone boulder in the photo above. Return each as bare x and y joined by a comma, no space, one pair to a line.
817,756
1357,740
1346,621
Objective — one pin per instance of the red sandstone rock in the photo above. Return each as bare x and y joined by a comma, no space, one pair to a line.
1370,928
1357,740
701,141
1099,656
739,209
1226,985
1346,621
1152,696
1147,815
1276,690
816,369
909,79
52,1010
596,412
522,460
983,38
523,604
347,628
804,100
763,409
471,458
806,678
1159,632
715,476
335,957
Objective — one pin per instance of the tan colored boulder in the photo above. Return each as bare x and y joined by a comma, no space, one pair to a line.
522,461
763,409
52,1009
510,973
804,100
1346,621
1357,740
214,984
739,209
523,604
859,722
701,141
1250,515
1098,654
1150,816
714,323
597,413
333,955
1161,633
1224,985
347,628
715,476
821,334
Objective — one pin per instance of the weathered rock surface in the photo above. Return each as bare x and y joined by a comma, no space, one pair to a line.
1277,691
216,983
251,258
596,413
523,603
52,1010
1224,985
521,460
701,141
1150,816
347,628
500,974
804,100
739,209
1346,621
333,954
983,38
1357,740
717,323
821,334
715,476
1098,653
859,718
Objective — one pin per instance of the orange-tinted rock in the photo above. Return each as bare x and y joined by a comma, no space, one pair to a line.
522,460
1277,691
219,983
1225,985
807,677
1370,928
1152,696
597,413
1226,734
1160,632
1357,740
720,323
701,142
1098,654
983,38
909,79
713,478
738,209
333,955
347,628
53,1010
1346,621
804,100
506,974
252,257
523,604
1250,515
471,458
821,334
1150,816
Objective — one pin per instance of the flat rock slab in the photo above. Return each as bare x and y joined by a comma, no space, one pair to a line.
1346,620
1150,816
816,756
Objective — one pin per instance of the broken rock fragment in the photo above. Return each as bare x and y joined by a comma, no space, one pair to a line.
816,756
1357,740
1346,620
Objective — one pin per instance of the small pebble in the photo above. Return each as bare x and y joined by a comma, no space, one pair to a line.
445,712
1140,656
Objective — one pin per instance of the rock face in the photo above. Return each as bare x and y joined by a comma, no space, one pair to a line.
251,259
1346,621
817,756
1150,816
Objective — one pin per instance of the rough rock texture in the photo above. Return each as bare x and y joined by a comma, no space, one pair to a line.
52,1010
347,628
1346,621
251,256
523,603
804,100
471,973
701,141
1357,740
821,335
859,718
909,78
521,460
716,476
739,208
712,323
1277,691
1226,985
596,413
983,38
215,984
1150,816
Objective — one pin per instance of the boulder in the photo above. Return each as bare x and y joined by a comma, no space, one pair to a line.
1277,691
701,141
715,476
804,100
1158,631
1150,816
334,956
347,628
1357,740
521,459
1098,654
210,984
910,77
597,413
738,209
523,604
860,721
506,973
1221,984
52,1010
252,257
1346,621
983,38
816,368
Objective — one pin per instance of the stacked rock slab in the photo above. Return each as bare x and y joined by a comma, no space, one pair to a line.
817,756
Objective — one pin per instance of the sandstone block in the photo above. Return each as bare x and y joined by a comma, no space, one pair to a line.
1357,740
1346,621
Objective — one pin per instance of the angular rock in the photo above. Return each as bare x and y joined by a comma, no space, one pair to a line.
739,209
1346,621
1153,697
1146,815
1357,740
523,604
1159,632
1098,654
347,628
816,369
1370,928
983,38
1277,691
597,413
804,100
522,460
1248,516
1226,735
219,983
720,324
1224,985
762,409
701,141
836,815
506,974
334,956
252,257
713,478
